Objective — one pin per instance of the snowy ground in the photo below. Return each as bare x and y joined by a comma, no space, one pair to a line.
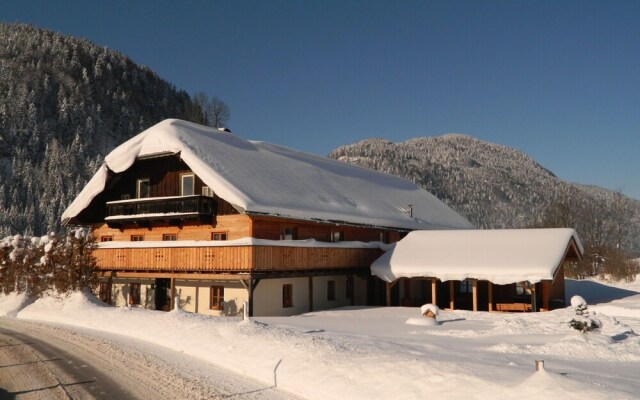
369,353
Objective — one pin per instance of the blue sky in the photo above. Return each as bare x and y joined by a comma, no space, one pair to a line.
558,80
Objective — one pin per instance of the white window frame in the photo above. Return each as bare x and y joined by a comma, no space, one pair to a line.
193,184
138,182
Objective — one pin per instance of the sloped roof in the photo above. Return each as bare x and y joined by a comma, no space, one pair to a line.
262,178
499,256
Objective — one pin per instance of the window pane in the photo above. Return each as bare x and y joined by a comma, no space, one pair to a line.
187,185
143,188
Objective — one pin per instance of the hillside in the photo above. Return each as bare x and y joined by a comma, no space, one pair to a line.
64,103
493,186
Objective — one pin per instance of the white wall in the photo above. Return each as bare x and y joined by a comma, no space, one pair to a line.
120,292
267,297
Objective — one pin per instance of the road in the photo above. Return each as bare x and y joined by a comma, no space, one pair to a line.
43,361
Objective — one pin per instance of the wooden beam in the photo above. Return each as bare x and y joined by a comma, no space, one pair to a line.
181,276
253,283
452,295
173,293
490,296
546,286
434,285
310,294
474,293
388,294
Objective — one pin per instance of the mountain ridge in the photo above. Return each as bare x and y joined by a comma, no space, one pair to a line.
492,185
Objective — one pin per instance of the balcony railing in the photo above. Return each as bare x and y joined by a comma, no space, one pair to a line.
233,258
160,208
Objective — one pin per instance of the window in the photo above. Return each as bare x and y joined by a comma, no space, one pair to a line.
465,286
207,191
331,290
384,237
287,295
216,298
337,236
218,235
105,292
106,238
142,188
187,185
523,288
137,238
288,234
134,294
169,237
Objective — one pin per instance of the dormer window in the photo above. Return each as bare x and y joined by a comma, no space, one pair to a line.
142,188
187,184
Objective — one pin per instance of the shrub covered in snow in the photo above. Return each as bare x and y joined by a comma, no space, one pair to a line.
584,321
426,308
37,264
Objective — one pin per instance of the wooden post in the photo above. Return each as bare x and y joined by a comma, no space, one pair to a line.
110,286
474,293
250,285
451,296
490,296
352,283
534,305
388,294
310,293
172,293
545,295
197,296
434,298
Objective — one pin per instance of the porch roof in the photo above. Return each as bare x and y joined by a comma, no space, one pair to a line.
499,256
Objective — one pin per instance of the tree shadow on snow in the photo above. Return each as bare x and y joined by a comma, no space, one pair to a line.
595,292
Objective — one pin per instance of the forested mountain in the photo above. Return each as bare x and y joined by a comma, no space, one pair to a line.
64,103
493,186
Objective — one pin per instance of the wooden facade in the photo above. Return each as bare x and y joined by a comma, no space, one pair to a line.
234,259
125,213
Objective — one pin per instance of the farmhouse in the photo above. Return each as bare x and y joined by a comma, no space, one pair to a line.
183,210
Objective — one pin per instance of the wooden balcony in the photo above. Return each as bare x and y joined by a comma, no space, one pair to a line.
233,259
174,209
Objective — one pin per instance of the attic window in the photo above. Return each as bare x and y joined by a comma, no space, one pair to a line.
142,188
187,185
337,236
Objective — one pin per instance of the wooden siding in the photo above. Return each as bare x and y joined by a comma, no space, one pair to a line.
270,228
236,226
271,258
233,258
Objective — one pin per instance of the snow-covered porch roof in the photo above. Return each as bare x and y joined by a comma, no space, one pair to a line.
499,256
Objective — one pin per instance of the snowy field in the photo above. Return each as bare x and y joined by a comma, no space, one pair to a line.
376,353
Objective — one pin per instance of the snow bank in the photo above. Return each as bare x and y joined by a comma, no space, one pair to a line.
13,302
371,353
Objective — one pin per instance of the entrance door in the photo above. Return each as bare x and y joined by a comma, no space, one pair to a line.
162,294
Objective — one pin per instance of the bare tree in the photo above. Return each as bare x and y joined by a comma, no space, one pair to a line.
216,112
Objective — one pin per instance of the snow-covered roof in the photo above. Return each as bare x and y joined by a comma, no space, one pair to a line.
262,178
499,256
